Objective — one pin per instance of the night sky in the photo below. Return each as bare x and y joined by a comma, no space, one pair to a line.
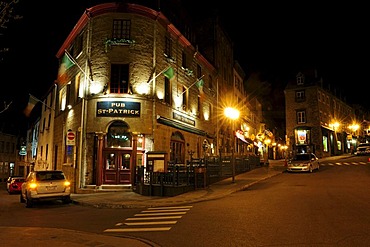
272,38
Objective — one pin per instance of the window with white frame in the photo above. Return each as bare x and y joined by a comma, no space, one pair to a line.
300,79
300,96
301,116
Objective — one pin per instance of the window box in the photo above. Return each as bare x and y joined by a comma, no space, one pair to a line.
110,42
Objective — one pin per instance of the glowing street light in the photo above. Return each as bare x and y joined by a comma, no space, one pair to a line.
354,127
232,114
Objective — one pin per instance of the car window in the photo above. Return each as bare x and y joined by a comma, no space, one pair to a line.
44,176
302,157
364,145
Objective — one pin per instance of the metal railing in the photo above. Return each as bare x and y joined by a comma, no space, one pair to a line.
196,173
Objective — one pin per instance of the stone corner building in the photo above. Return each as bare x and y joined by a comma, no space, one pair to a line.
135,91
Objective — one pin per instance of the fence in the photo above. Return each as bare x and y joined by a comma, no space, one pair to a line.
197,173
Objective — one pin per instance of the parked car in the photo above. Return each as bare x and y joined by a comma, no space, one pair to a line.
15,185
303,162
363,149
45,185
9,180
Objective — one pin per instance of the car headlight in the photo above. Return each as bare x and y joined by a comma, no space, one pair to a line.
67,183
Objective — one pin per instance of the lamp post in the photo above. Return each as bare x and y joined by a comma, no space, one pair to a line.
232,114
353,137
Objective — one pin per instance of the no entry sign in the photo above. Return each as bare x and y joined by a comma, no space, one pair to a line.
71,138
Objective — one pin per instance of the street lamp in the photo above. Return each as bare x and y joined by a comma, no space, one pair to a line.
232,114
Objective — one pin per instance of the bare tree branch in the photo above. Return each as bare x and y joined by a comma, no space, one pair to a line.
6,106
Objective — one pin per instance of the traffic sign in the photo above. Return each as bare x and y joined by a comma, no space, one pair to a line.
71,137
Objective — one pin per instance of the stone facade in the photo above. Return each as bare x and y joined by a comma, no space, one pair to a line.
158,120
321,109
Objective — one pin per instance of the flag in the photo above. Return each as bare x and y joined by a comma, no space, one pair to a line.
200,84
169,73
32,101
64,66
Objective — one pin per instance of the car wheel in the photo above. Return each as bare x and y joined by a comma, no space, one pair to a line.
21,199
311,170
66,200
29,202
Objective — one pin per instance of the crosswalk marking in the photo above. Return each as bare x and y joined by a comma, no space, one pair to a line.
151,229
163,210
156,218
160,216
178,207
344,163
151,223
177,213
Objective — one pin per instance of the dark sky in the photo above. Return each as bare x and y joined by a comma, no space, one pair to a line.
274,38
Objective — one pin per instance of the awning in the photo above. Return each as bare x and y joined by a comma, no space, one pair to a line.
181,126
243,138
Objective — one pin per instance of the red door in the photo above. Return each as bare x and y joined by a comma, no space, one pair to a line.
117,168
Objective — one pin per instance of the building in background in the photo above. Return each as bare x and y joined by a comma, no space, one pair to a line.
317,120
8,156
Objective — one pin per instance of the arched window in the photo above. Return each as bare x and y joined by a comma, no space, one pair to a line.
177,152
118,135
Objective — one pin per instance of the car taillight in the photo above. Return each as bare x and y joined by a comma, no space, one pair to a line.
32,185
67,183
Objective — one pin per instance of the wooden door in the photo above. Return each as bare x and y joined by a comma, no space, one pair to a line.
117,168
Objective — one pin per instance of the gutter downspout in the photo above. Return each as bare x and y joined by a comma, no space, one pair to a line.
82,141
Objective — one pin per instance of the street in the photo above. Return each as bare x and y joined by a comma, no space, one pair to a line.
328,207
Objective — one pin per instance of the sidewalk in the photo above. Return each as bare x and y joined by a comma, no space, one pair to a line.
217,190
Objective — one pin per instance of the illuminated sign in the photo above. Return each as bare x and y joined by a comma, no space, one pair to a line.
23,150
117,109
183,119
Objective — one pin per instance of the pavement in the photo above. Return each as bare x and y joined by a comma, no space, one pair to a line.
220,189
22,236
214,191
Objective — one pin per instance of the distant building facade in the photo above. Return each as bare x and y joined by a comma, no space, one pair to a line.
8,156
316,119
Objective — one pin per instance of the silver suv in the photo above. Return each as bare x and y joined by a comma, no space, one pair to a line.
45,185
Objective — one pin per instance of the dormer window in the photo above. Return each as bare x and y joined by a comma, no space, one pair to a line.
300,79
